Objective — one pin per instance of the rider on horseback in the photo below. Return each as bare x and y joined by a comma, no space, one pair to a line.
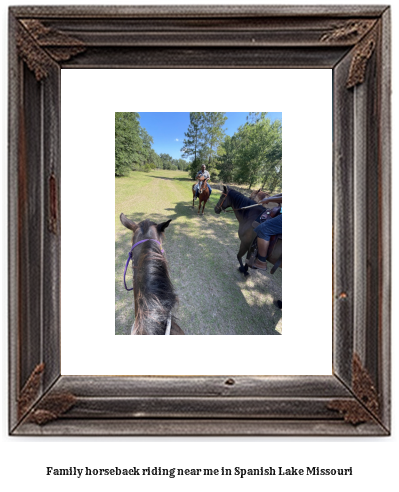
265,230
201,176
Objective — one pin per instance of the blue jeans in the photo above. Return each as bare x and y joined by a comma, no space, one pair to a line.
270,227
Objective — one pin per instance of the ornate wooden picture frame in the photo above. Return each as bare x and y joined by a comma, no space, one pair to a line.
354,42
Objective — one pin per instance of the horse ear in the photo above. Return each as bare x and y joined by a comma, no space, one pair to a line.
163,226
225,188
128,223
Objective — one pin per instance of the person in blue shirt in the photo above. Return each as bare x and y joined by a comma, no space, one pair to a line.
265,230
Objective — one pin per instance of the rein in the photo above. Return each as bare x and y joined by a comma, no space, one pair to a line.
131,256
234,209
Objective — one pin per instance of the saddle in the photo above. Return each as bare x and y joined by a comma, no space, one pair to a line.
268,214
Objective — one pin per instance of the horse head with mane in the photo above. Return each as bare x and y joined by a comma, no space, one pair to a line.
245,216
154,295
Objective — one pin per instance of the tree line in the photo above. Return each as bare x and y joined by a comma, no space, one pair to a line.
133,148
252,156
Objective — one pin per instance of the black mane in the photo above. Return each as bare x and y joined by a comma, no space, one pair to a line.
154,292
239,200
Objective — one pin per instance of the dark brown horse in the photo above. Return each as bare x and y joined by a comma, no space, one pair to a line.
154,295
203,195
236,200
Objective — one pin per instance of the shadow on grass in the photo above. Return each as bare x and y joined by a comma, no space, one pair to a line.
214,297
171,179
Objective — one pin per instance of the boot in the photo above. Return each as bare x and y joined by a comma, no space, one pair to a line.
259,265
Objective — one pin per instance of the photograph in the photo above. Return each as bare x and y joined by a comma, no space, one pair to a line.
198,202
135,222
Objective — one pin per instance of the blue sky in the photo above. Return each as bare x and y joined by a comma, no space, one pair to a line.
167,129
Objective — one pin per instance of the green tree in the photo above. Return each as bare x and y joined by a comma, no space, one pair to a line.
213,135
226,159
182,164
128,144
193,141
258,153
166,160
247,160
273,168
146,140
274,180
154,160
203,137
255,117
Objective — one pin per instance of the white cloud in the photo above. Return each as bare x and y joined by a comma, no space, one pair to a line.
177,139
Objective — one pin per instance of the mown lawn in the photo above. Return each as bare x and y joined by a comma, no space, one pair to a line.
214,297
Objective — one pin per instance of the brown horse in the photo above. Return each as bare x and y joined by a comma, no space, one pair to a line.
258,195
246,233
203,195
154,295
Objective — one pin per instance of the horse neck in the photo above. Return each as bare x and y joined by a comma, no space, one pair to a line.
154,296
243,215
148,324
153,312
248,215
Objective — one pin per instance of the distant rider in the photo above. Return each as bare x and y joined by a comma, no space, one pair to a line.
201,176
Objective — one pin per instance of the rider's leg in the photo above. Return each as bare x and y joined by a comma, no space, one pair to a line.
263,246
260,260
264,231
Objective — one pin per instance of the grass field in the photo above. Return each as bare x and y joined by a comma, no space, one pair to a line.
214,297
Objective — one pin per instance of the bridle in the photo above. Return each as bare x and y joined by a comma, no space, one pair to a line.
221,203
169,323
234,209
131,256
